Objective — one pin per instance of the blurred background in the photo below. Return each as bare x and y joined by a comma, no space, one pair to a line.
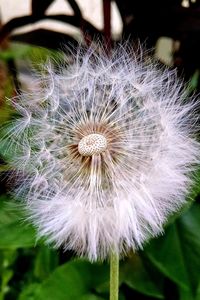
30,32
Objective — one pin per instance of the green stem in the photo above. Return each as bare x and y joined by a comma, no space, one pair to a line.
114,276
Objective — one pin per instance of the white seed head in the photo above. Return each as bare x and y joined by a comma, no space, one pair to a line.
92,144
107,147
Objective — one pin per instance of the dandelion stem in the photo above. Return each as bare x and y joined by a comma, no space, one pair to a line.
114,276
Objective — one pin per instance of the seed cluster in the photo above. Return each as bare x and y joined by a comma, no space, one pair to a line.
92,144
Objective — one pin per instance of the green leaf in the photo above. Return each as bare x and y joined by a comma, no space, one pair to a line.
198,292
138,277
15,51
14,231
6,150
45,262
8,257
5,113
185,294
6,276
91,297
73,280
177,253
29,292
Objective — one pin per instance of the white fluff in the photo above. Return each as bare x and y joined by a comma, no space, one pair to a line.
117,199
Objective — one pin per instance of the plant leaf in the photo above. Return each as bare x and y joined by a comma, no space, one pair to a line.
29,292
91,297
14,232
73,280
176,254
45,262
138,277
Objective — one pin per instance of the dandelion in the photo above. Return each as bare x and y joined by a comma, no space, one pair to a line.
106,146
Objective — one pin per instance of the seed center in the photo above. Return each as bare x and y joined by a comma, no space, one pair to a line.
92,144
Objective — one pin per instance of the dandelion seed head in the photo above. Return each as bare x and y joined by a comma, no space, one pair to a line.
106,147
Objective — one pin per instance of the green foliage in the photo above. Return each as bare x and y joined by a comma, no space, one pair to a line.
138,276
176,254
73,280
15,52
14,232
46,261
6,259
